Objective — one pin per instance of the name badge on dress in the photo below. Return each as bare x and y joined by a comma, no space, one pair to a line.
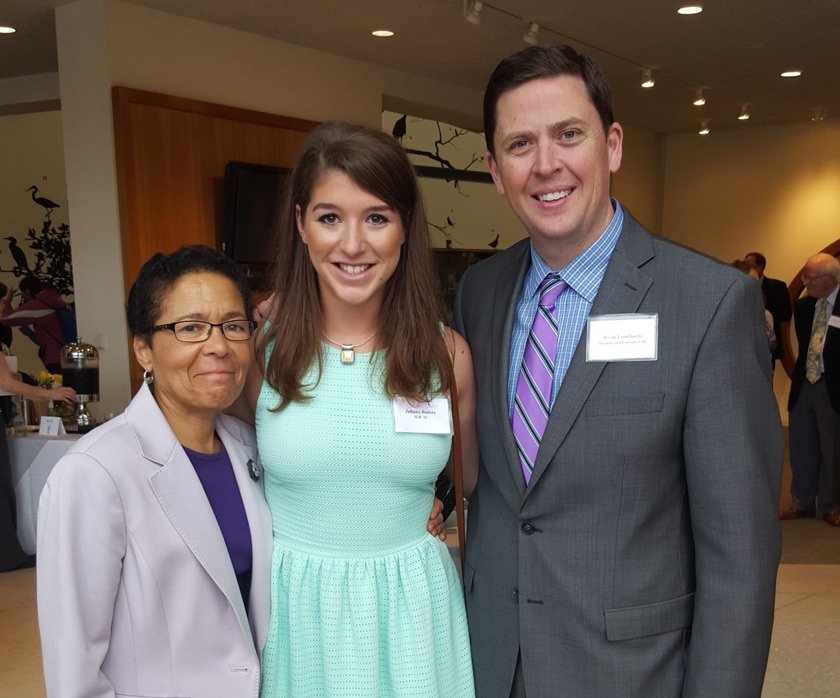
628,337
422,417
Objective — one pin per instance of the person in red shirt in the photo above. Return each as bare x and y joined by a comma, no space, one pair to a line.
38,309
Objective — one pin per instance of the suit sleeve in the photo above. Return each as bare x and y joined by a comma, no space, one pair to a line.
778,302
81,544
458,320
733,460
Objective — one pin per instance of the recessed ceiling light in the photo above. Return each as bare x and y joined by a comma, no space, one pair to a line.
382,33
744,113
647,78
704,128
7,30
791,73
699,97
690,10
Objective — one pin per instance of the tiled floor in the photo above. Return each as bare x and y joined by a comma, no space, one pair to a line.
20,650
804,655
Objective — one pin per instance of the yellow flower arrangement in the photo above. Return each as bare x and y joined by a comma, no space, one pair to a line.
49,380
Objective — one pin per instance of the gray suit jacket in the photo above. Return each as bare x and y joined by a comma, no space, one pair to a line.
136,592
641,559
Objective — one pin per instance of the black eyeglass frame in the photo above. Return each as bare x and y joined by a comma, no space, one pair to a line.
252,326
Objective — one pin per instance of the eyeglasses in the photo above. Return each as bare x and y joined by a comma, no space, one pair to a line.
199,331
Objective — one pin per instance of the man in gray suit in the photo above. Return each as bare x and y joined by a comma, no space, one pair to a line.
623,536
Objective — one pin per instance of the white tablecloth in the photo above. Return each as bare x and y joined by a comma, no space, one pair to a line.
33,458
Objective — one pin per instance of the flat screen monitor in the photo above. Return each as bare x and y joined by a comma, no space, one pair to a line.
252,195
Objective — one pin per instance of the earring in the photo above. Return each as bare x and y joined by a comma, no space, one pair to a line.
148,377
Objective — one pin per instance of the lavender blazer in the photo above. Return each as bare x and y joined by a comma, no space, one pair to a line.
136,592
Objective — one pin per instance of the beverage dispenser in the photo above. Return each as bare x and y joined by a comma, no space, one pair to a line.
80,371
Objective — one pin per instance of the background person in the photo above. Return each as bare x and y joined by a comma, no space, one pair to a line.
776,299
154,540
627,544
364,602
814,402
12,556
743,266
38,308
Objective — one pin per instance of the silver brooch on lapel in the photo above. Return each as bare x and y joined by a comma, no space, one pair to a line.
254,470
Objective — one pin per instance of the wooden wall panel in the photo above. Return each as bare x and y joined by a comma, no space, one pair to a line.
171,154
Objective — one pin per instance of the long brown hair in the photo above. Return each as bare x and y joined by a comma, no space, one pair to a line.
416,361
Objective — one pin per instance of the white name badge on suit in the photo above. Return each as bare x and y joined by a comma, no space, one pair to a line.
623,337
834,321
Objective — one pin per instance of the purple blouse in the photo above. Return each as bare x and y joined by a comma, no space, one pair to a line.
216,474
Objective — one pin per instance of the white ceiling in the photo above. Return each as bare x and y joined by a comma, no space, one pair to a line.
735,49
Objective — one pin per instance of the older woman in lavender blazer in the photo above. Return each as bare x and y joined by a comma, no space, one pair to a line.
154,540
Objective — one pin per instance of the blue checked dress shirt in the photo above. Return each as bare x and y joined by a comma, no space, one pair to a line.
583,276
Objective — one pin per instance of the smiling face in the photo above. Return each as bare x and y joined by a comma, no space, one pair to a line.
203,377
354,241
553,163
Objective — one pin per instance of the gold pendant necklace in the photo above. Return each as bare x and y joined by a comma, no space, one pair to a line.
348,355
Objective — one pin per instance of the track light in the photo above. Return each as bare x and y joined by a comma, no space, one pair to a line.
472,11
699,97
818,115
647,78
745,112
530,37
704,127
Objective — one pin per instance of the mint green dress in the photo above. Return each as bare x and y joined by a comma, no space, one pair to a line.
364,602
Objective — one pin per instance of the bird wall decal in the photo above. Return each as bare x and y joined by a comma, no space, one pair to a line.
19,256
43,201
400,127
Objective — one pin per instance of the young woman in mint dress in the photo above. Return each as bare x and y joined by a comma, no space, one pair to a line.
353,432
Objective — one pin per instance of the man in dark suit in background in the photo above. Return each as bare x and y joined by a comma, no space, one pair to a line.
814,402
623,537
776,299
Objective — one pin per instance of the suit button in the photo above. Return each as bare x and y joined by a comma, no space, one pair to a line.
528,528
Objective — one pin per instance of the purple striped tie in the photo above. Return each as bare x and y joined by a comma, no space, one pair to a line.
533,389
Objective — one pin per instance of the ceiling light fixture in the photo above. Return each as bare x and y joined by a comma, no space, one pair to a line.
704,128
745,112
7,30
382,33
818,115
690,10
472,11
647,78
791,73
699,97
530,37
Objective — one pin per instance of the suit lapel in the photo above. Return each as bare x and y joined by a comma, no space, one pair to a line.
504,310
259,521
622,289
181,497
